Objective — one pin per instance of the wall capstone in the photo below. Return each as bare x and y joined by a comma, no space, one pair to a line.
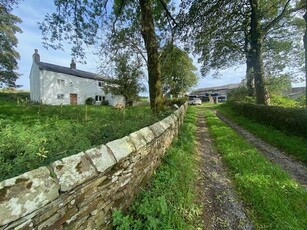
121,148
24,194
73,170
101,158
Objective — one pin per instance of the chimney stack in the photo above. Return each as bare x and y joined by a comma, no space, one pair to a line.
35,56
73,64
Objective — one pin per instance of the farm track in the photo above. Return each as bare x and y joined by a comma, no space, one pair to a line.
296,169
222,208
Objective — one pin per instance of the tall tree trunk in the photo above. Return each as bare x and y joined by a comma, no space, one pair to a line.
262,96
249,76
153,63
305,46
249,72
249,65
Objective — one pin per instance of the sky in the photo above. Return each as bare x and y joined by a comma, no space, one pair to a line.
33,11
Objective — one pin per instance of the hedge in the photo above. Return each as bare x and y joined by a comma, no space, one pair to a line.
289,120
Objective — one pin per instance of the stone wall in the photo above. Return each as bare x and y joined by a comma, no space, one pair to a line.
80,191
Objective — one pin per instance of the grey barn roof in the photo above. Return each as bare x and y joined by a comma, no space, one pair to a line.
69,71
216,88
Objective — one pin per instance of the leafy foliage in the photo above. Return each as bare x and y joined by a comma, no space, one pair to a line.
35,135
80,21
291,120
239,95
177,71
90,101
126,82
226,33
8,40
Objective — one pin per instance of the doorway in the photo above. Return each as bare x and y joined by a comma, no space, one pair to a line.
73,99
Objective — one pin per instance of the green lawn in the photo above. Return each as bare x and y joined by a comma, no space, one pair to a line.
273,199
35,135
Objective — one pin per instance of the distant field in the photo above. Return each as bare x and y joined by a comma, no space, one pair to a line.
35,135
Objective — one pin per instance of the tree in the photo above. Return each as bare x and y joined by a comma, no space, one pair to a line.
126,82
305,46
234,31
80,21
177,71
8,41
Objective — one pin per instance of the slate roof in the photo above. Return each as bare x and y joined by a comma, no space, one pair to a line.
216,88
69,71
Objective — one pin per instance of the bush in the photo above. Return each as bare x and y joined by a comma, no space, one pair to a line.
239,95
90,101
105,103
291,120
284,102
301,101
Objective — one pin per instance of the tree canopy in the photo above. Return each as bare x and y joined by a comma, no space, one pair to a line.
8,41
126,81
177,71
81,22
263,34
226,33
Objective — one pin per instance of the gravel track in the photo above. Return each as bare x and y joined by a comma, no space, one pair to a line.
222,208
296,169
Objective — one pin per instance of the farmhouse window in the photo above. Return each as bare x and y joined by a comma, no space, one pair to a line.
100,83
60,96
98,98
61,82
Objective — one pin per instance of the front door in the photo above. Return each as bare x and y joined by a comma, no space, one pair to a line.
73,98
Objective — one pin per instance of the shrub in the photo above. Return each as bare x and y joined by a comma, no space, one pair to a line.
90,101
105,103
239,95
291,120
301,101
284,102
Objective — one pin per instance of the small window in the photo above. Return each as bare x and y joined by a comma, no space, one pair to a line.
98,98
60,82
60,96
103,98
100,83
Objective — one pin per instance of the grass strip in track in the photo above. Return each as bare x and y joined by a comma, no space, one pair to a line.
292,145
273,199
169,200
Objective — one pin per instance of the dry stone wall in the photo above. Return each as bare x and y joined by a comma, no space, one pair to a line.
80,191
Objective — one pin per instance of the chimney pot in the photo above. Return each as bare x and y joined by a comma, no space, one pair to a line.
73,64
35,56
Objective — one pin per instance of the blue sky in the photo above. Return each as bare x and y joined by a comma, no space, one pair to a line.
33,11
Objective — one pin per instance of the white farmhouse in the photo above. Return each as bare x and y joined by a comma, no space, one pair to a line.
54,85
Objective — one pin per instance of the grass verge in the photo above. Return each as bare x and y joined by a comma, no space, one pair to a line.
169,201
292,145
273,199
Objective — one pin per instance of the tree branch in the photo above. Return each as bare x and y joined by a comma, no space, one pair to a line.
168,13
283,13
122,3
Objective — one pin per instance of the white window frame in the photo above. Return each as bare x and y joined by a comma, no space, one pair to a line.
100,84
98,98
61,82
60,96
